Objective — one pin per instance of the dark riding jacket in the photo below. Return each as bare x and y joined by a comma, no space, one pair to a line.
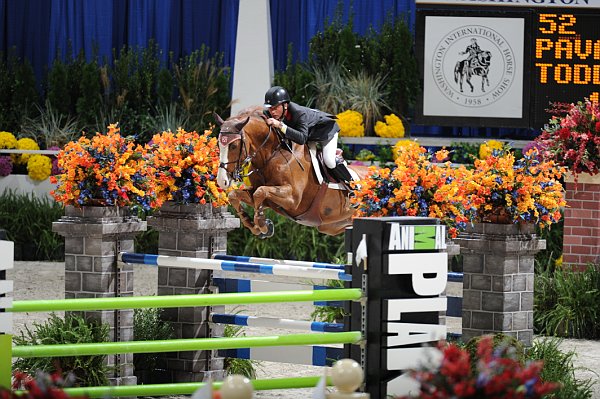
307,124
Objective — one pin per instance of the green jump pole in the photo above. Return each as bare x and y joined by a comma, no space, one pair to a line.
176,301
174,345
187,388
5,360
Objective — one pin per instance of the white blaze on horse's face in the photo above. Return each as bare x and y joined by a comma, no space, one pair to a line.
223,179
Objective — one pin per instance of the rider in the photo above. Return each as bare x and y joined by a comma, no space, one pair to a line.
472,49
301,125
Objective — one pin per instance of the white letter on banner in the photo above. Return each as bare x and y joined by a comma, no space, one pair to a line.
403,385
419,264
412,333
395,307
394,243
413,358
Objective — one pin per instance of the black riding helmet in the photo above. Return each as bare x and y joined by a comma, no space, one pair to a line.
275,96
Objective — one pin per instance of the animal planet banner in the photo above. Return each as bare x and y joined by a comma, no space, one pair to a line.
473,67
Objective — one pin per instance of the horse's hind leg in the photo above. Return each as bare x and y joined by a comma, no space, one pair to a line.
236,198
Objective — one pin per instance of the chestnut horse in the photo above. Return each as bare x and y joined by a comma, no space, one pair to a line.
281,177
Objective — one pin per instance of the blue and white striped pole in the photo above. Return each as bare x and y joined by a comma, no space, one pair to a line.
243,267
273,322
269,261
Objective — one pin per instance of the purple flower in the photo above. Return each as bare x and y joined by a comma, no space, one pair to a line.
6,165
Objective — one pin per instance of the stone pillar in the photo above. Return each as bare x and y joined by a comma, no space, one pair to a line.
581,244
93,237
498,267
195,231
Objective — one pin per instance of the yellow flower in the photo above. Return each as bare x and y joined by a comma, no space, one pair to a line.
39,167
393,127
351,124
24,144
404,145
486,149
7,140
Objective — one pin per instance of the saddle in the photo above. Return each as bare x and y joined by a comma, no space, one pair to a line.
312,216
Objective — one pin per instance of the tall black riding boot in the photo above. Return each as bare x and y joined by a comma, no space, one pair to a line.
341,173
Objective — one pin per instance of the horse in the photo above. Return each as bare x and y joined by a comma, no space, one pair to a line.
281,176
476,65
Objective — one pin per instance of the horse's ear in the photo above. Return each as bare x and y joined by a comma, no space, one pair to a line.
240,125
218,119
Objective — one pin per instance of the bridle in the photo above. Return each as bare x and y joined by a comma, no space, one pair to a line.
243,163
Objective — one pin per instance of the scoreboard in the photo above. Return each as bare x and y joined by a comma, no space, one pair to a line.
501,63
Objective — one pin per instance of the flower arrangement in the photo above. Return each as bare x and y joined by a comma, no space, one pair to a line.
497,373
486,149
351,124
186,166
572,137
498,189
108,168
402,145
504,190
39,167
392,127
414,187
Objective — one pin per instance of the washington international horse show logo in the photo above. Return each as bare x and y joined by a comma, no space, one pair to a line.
473,66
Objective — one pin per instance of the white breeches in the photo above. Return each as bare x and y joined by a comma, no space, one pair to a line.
329,150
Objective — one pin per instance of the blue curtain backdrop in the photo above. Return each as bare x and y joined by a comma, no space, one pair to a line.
41,30
297,21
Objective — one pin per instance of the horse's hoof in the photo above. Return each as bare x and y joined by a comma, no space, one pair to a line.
270,230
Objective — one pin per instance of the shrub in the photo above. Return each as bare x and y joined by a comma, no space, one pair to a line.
245,367
28,222
72,329
148,326
566,302
558,367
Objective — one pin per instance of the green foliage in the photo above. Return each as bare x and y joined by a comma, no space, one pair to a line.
72,329
28,222
384,59
296,78
89,103
146,242
464,153
392,52
566,302
148,326
558,367
19,92
245,367
291,241
553,234
50,127
203,86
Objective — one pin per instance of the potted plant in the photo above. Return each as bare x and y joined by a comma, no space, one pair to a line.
492,373
572,137
106,170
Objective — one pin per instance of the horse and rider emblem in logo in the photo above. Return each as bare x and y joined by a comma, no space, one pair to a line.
473,66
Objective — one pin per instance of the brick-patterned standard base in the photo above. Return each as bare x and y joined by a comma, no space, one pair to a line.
194,231
581,243
498,263
93,237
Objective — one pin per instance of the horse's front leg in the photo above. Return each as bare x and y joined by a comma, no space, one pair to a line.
279,195
236,198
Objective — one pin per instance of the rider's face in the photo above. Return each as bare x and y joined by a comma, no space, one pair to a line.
276,111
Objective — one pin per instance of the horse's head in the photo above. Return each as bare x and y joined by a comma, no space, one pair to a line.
236,141
484,58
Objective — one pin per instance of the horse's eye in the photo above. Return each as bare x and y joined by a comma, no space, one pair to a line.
233,146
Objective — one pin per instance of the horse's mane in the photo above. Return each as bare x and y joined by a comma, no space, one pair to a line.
255,111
